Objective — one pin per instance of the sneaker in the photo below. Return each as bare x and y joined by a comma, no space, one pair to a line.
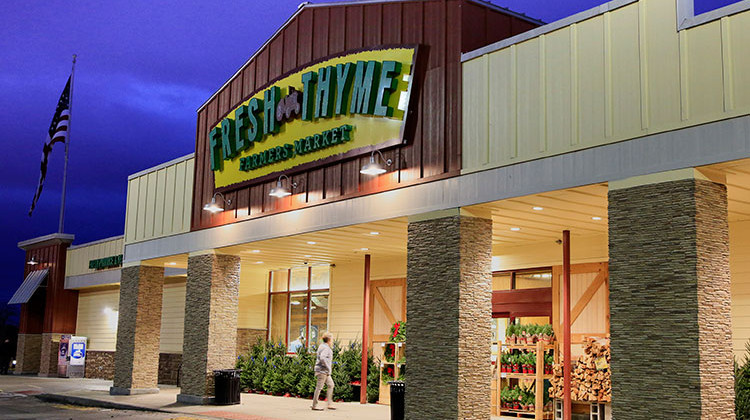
330,407
317,408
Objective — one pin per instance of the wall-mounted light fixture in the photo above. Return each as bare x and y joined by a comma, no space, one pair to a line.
213,207
33,261
374,168
279,191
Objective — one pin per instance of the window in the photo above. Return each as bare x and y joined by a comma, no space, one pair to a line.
298,304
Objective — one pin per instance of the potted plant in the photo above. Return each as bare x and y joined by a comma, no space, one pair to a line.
510,337
390,352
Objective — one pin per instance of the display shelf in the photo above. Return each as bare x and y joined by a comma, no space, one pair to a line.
385,389
539,377
509,412
549,346
523,375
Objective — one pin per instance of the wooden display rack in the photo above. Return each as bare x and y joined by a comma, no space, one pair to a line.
539,377
385,389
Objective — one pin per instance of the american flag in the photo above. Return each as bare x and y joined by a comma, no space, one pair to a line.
58,132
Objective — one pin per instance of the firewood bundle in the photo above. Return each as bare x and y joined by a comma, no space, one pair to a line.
591,380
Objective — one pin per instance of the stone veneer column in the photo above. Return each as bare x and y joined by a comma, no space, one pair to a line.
48,359
449,309
138,330
670,298
211,306
28,353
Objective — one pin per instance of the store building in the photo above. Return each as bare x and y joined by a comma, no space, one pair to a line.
626,125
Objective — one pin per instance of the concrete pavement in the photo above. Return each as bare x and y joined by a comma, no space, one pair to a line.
93,392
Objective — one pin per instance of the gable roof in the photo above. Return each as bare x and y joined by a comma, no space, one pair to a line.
308,5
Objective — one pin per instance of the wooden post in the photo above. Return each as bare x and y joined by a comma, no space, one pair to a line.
567,402
365,332
539,388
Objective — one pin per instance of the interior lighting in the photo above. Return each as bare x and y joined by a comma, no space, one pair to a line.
373,167
311,242
374,233
515,229
364,249
259,262
255,251
596,218
213,206
537,208
32,261
172,263
308,256
279,191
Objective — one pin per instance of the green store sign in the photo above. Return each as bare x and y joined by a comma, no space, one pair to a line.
343,105
104,263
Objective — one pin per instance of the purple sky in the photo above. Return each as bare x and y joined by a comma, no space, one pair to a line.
143,70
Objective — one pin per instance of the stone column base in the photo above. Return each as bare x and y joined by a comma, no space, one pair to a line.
194,399
116,390
28,353
48,358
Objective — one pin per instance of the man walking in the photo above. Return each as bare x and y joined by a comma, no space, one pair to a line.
323,370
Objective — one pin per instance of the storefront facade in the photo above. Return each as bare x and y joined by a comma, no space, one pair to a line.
616,125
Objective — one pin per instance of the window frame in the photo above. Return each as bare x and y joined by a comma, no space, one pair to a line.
308,291
686,17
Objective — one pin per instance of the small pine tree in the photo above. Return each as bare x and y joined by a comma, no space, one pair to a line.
742,386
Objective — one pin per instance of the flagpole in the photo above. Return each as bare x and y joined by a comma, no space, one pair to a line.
67,145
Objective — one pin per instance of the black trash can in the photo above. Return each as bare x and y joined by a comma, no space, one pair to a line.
227,386
398,389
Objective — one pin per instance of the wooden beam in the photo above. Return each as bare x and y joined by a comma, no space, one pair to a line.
365,333
567,374
587,296
381,300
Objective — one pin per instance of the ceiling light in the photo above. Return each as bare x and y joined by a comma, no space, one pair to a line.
295,302
172,263
373,167
255,251
308,256
596,218
259,262
537,208
279,191
364,249
214,207
311,242
32,261
515,229
374,233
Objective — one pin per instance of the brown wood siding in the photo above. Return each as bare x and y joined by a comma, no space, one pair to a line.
51,308
442,28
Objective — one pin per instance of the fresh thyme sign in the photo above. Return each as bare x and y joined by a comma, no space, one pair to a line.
339,107
108,262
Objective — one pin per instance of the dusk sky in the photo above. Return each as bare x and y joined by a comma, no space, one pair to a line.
143,70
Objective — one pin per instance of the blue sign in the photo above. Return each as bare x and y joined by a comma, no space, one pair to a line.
78,350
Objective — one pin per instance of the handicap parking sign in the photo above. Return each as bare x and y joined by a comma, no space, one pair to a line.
77,350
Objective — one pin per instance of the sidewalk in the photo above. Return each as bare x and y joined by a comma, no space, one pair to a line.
253,406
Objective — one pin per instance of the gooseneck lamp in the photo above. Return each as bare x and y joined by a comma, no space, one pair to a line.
213,207
374,167
279,191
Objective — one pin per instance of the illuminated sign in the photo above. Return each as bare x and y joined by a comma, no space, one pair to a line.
108,262
339,107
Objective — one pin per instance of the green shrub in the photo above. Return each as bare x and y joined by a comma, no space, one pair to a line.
742,386
266,367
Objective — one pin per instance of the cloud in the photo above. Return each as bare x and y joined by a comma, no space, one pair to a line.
167,99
